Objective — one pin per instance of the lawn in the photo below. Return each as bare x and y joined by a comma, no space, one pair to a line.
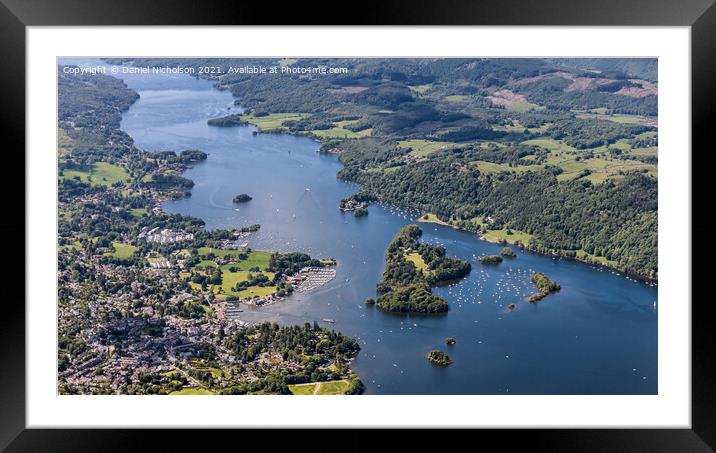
230,279
192,391
321,388
122,251
581,254
101,174
432,218
421,148
340,132
500,235
548,143
418,261
273,121
255,259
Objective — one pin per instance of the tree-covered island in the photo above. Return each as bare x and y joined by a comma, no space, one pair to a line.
242,198
544,285
411,269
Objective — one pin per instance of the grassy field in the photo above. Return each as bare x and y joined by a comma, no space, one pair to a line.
192,391
122,251
321,388
418,261
456,98
101,174
138,212
432,218
421,148
230,279
273,121
601,169
255,258
581,254
548,143
500,235
651,151
340,132
524,107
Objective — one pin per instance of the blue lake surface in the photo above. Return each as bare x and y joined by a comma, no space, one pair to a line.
598,335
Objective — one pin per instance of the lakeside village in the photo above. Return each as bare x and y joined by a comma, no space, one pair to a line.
233,255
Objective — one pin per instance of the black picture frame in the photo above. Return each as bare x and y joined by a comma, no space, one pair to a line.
700,15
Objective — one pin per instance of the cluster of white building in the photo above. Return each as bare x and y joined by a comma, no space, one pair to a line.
166,235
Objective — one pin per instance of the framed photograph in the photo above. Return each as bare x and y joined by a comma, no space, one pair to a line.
413,225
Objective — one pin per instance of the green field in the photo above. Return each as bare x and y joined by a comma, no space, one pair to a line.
230,279
340,132
523,107
122,251
138,212
418,261
601,169
651,151
421,148
548,143
581,254
502,235
192,391
321,388
101,174
456,98
432,218
273,121
255,258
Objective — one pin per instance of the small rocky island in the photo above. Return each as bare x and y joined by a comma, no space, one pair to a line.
439,358
450,341
544,285
491,259
242,198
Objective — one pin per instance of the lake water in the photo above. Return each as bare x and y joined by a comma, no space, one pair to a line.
598,335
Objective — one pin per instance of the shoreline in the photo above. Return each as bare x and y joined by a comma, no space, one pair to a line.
525,247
